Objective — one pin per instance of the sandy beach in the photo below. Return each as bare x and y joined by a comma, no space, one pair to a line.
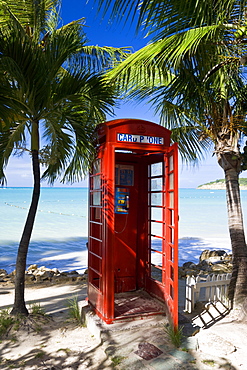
61,344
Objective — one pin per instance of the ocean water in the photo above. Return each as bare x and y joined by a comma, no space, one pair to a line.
60,231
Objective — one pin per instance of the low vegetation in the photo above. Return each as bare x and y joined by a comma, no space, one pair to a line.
12,323
242,182
6,321
74,310
176,335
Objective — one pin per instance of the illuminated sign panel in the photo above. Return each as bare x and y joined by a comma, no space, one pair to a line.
128,138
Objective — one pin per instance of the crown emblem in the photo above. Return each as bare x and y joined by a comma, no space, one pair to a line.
141,129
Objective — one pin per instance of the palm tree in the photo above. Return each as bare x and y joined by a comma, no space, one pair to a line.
52,96
192,73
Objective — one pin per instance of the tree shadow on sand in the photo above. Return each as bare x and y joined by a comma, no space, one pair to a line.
53,341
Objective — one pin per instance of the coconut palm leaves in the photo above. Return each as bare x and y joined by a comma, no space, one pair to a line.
51,79
193,72
61,99
52,96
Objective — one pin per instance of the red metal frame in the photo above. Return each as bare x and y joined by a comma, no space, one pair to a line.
141,144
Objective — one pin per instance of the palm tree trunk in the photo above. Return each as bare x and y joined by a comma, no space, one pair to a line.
238,285
19,303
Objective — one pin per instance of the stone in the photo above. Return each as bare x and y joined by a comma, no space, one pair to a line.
189,265
3,272
74,272
147,351
221,268
214,255
29,278
40,275
32,267
217,262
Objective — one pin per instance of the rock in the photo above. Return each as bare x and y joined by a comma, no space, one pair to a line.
72,272
221,268
212,256
216,261
44,275
189,265
32,267
29,278
204,266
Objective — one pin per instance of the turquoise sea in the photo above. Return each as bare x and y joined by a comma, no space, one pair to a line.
60,231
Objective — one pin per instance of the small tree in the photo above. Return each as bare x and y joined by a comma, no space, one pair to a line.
53,94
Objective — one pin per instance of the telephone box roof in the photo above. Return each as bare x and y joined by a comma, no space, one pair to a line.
128,129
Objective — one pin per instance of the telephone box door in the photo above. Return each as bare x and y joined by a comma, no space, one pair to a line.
163,225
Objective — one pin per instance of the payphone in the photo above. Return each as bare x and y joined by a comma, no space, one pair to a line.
121,200
124,176
133,217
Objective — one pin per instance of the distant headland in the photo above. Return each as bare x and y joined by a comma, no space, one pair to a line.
221,185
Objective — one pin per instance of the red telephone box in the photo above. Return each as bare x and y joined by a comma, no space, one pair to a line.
133,217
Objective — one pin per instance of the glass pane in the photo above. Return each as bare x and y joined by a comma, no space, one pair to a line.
156,273
171,165
156,213
171,254
156,244
156,169
97,198
171,181
156,228
172,273
96,182
171,220
95,263
156,259
171,235
156,184
171,197
96,166
96,247
94,279
156,199
171,291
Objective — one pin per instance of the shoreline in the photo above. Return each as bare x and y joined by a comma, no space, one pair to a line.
190,248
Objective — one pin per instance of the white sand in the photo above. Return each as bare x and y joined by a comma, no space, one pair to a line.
61,344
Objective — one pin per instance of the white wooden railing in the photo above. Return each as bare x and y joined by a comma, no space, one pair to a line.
207,288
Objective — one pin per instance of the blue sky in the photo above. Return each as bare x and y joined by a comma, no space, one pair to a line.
19,172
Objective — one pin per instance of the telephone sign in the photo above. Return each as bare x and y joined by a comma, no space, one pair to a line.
140,139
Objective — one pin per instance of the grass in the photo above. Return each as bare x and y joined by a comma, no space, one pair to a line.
66,350
209,362
40,354
9,322
36,309
176,335
74,310
6,322
117,360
